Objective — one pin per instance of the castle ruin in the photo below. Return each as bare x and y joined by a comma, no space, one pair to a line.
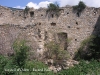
38,27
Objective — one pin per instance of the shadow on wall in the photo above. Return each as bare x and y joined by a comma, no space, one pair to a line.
90,47
62,38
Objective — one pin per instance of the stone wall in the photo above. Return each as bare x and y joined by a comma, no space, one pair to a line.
39,28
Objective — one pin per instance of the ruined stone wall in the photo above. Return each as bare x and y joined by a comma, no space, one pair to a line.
39,28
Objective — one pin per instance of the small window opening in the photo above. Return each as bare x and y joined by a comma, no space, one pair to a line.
39,23
19,14
77,23
52,15
31,13
78,14
68,26
75,39
67,12
53,24
94,13
24,17
41,14
78,28
13,13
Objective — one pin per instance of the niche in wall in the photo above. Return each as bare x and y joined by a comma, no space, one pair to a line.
52,15
46,35
39,33
53,24
32,14
62,38
77,23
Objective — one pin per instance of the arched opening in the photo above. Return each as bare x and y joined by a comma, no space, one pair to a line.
62,38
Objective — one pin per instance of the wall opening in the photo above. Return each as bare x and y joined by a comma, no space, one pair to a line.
39,23
53,24
19,14
13,13
46,35
62,38
78,28
31,14
77,23
75,39
52,15
68,26
78,14
39,33
41,14
67,12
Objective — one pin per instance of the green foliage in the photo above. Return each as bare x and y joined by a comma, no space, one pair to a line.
83,68
6,63
21,50
36,65
89,49
53,8
79,8
26,10
55,52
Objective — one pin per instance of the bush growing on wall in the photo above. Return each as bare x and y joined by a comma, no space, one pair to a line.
53,8
79,8
55,52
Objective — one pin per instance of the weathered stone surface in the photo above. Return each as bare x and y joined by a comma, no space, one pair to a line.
38,29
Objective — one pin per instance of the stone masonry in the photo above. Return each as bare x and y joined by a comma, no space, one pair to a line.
38,28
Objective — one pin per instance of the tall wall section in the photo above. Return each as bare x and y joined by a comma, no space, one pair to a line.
39,28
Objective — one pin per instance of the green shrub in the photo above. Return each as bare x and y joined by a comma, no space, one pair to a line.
5,64
55,52
26,10
21,52
89,49
83,68
53,8
36,65
79,8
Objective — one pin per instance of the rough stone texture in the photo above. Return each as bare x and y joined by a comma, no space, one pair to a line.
39,28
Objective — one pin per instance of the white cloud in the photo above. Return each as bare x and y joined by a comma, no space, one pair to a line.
92,3
36,6
31,4
19,7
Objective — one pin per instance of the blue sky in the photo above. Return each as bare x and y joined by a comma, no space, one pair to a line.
13,3
43,3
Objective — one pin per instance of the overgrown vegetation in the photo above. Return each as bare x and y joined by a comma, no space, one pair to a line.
21,53
19,65
83,68
89,49
55,52
53,9
26,10
79,8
